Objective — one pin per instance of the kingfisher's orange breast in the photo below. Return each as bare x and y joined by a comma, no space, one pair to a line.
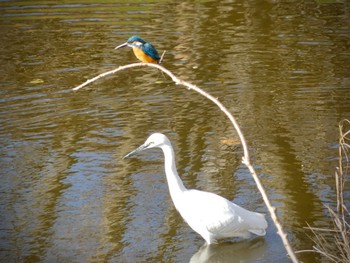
142,56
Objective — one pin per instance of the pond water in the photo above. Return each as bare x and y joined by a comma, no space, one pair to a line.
66,194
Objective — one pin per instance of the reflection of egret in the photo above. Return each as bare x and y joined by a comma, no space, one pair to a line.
210,215
247,251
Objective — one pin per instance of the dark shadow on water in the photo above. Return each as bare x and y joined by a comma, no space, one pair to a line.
240,251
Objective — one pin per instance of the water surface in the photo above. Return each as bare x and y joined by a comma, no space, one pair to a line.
66,194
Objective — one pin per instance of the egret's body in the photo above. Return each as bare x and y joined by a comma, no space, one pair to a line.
210,215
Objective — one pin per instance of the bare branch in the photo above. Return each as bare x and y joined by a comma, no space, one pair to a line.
245,158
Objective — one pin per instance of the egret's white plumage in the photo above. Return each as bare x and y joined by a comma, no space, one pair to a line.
210,215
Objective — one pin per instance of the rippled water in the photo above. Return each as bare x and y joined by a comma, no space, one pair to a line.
67,196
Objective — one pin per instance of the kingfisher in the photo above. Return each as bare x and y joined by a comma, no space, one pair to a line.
144,51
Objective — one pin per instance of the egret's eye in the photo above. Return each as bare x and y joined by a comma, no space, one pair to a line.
148,145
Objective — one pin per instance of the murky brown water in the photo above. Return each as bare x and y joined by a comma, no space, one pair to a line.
67,196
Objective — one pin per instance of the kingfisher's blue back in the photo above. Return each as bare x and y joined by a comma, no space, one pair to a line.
150,51
143,50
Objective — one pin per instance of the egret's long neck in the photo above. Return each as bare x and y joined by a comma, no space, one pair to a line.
174,181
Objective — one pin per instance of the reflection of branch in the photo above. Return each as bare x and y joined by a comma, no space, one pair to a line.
245,159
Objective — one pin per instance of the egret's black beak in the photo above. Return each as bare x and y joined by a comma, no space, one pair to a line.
139,149
122,45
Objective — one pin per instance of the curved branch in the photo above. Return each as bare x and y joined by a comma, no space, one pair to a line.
245,158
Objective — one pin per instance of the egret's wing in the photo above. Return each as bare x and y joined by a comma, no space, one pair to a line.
227,217
214,212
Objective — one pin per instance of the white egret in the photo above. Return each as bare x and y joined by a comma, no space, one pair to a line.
210,215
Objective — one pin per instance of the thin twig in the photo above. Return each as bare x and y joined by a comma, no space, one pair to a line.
161,58
245,159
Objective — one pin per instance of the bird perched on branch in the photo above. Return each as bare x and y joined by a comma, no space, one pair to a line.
143,50
210,215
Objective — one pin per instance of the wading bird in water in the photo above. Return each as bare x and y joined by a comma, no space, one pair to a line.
144,51
210,215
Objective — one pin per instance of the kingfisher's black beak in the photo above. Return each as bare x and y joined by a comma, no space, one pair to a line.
122,45
139,149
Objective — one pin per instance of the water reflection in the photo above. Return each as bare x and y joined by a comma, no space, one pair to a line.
243,251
